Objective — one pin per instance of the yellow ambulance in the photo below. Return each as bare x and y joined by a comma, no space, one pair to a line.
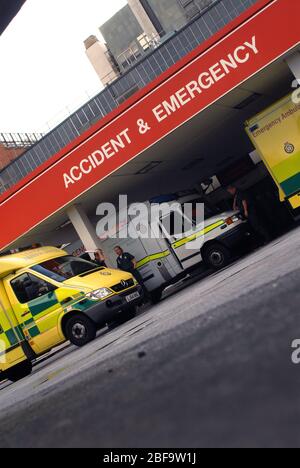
48,297
275,133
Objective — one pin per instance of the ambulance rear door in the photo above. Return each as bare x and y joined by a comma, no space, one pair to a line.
154,258
11,337
275,133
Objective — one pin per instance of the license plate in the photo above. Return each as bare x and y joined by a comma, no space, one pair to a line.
132,297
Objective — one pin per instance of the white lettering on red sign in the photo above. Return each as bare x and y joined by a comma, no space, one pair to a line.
98,157
205,80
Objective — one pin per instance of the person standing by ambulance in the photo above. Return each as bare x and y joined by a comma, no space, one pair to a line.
245,206
127,262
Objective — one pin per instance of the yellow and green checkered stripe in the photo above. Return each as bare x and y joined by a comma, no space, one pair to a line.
46,304
12,338
40,306
287,174
37,308
292,185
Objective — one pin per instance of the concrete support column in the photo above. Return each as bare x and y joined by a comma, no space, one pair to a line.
293,62
142,17
84,227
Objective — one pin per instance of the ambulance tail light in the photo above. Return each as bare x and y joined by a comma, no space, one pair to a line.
232,220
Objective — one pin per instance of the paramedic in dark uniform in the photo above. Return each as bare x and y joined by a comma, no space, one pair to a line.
127,262
245,206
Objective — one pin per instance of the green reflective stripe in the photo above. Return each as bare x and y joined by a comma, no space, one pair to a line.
42,304
152,258
16,335
73,300
31,328
291,185
19,332
11,336
33,331
193,237
288,167
81,305
29,322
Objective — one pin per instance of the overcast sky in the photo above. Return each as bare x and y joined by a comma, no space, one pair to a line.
44,68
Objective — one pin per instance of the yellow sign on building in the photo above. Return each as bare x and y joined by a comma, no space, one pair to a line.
275,133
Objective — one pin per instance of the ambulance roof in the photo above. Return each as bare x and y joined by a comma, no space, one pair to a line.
10,263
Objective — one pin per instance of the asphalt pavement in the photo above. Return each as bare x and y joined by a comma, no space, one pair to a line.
210,366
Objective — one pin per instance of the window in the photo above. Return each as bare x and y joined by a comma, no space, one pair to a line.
28,287
144,41
209,211
176,224
64,268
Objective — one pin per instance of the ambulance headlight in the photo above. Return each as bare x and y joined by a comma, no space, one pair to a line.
99,294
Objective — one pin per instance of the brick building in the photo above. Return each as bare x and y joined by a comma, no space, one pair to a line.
7,155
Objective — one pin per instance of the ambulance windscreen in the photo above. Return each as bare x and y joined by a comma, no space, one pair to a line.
64,268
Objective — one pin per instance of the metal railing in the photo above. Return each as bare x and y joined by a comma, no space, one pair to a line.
216,16
19,140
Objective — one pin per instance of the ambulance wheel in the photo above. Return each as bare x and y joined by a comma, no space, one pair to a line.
20,371
216,256
80,330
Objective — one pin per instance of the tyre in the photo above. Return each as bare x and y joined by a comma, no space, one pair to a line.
155,296
80,330
20,371
216,256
